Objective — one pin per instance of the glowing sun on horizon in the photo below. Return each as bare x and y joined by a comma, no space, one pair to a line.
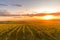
48,17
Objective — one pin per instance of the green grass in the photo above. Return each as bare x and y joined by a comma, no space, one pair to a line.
30,31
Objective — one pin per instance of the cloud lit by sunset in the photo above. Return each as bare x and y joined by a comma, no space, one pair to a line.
29,7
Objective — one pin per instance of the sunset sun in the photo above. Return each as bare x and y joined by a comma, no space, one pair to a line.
48,17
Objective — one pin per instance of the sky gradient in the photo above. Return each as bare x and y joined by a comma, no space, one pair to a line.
16,7
29,6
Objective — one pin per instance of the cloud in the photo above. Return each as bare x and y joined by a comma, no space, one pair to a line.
17,5
6,13
3,5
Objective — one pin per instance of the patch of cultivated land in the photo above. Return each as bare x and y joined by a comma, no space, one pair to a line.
30,30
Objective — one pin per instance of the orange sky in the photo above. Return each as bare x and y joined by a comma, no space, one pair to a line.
22,18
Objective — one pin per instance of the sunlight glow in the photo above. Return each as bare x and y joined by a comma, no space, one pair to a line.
48,17
47,10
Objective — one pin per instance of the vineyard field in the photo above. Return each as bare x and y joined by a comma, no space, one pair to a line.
30,31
